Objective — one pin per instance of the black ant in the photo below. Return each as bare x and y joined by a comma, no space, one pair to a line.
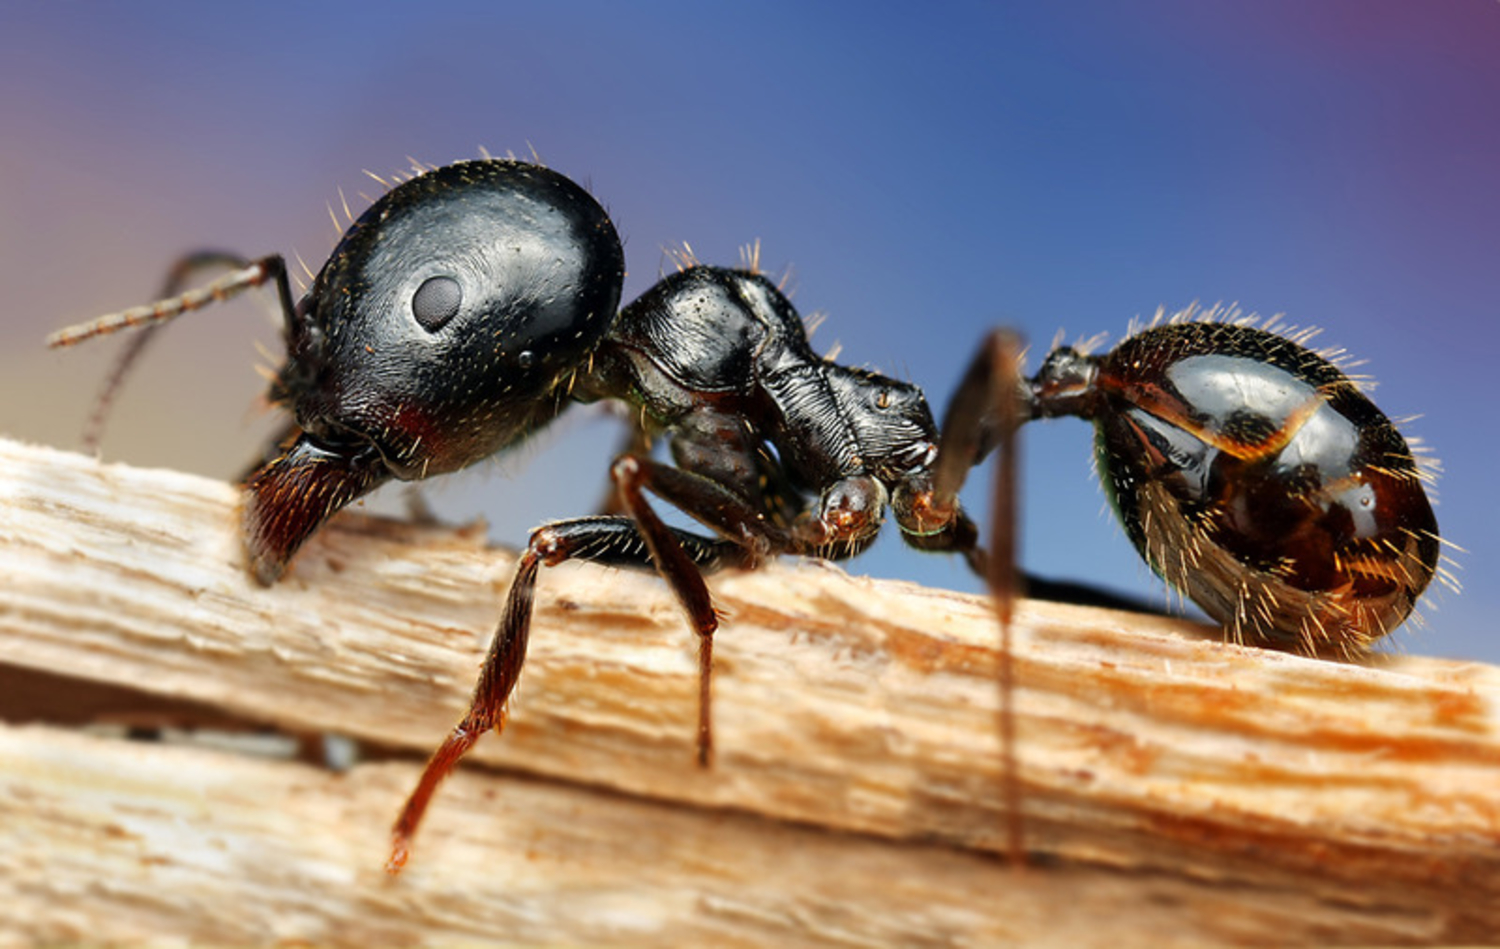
472,303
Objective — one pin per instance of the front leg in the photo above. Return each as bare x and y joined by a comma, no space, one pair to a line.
612,541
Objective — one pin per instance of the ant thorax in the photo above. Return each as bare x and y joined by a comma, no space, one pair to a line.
720,359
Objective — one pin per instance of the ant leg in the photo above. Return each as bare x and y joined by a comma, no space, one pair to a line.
991,402
634,442
715,506
613,541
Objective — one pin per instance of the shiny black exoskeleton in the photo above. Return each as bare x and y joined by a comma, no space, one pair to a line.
720,360
471,304
445,326
1254,476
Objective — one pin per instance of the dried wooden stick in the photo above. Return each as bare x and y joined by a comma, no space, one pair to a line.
1255,796
114,841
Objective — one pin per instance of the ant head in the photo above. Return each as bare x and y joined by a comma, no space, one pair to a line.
452,314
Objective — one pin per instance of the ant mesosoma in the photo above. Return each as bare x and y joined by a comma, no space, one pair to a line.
472,303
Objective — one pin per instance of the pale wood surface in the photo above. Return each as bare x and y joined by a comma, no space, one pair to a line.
1176,788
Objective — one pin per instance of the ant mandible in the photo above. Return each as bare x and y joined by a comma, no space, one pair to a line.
472,303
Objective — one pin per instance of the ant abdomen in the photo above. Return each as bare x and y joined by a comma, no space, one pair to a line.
1253,475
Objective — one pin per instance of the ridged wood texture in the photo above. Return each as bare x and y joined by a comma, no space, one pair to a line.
1177,790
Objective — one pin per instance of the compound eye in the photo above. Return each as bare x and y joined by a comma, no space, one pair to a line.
436,302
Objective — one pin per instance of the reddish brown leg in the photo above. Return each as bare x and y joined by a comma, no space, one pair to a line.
502,667
713,505
634,442
686,580
988,407
1005,356
615,541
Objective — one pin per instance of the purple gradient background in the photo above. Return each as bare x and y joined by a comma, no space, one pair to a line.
929,173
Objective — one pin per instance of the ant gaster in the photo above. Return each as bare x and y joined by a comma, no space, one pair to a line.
472,303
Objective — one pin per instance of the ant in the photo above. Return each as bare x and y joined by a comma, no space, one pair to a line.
473,303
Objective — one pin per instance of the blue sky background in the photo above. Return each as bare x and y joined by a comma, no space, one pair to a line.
926,171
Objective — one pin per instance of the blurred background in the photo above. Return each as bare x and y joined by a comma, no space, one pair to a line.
925,171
